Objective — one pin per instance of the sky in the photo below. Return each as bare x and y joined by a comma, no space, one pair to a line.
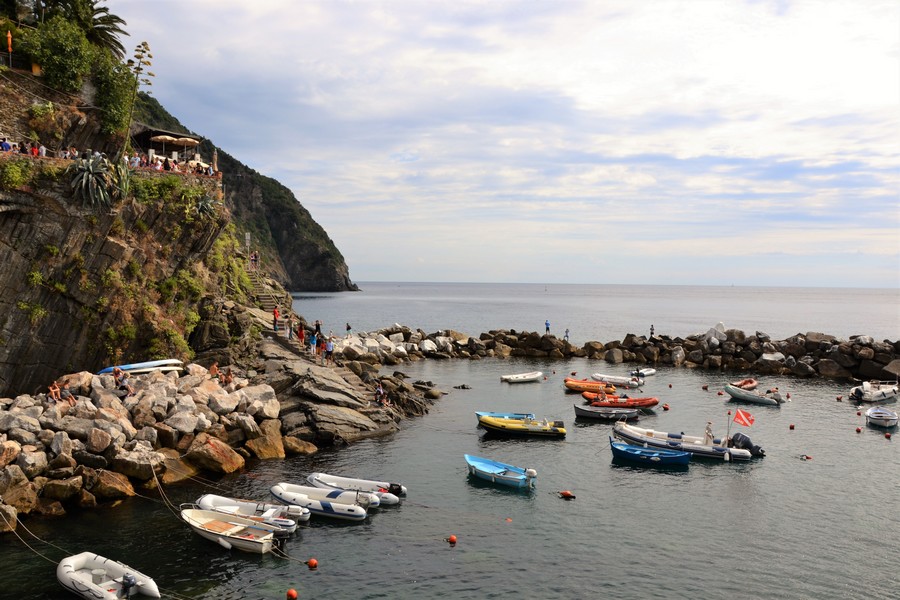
699,142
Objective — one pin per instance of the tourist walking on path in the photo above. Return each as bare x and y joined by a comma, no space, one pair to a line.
275,316
547,326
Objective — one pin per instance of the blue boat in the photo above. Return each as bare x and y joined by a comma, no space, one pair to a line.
148,365
504,415
502,473
651,457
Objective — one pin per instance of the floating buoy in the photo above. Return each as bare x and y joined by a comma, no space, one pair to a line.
859,430
573,373
839,398
887,435
508,520
553,371
665,407
292,594
788,395
791,427
670,385
706,387
451,540
545,378
566,495
859,413
721,393
312,564
805,457
729,413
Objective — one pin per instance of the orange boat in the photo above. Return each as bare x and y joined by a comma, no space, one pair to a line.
618,401
588,385
746,384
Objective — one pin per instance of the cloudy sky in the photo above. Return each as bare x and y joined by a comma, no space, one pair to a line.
600,141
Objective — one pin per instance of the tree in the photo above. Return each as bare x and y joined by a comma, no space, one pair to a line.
101,28
62,51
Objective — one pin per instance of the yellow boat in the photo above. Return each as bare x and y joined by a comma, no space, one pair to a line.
522,427
589,385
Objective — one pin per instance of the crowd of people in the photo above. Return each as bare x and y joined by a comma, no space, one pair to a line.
29,149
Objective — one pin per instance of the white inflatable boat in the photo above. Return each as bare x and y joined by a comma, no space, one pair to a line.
94,577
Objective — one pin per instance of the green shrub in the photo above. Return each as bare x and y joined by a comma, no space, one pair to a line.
52,250
34,278
62,50
15,173
59,287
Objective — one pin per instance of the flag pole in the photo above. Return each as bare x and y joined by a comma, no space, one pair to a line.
727,433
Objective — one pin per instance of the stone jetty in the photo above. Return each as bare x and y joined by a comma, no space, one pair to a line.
811,354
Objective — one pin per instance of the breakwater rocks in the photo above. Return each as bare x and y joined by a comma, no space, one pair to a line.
803,355
107,445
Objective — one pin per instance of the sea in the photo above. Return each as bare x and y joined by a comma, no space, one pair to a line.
817,517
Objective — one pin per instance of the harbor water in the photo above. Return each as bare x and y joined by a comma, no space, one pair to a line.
815,518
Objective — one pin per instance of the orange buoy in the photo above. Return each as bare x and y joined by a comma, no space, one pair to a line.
839,398
791,427
292,594
729,413
721,393
807,457
858,413
566,495
312,564
508,520
858,429
451,540
788,395
706,387
665,407
670,385
887,435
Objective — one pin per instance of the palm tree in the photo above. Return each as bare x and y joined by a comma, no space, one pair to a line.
100,27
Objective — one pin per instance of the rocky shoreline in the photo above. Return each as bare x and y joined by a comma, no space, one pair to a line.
286,403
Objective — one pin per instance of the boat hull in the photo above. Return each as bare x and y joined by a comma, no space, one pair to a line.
231,531
285,492
875,391
76,574
676,441
619,401
618,380
144,365
753,397
504,415
500,473
522,377
648,457
386,491
285,517
588,385
523,427
606,413
879,416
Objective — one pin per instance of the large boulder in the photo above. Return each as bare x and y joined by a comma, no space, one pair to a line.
269,444
830,369
109,485
211,454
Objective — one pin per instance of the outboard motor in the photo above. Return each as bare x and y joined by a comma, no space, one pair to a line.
396,489
743,441
129,583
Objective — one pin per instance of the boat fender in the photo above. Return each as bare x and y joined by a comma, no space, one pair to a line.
224,543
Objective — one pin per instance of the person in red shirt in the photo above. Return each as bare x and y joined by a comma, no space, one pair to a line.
275,318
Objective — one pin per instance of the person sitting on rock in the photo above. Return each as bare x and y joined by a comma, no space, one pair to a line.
122,383
227,377
54,392
214,369
67,394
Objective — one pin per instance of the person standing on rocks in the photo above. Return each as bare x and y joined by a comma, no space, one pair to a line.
290,327
318,327
566,336
275,316
329,351
349,330
547,326
312,344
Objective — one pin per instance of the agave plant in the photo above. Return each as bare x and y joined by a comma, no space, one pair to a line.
206,206
92,182
121,178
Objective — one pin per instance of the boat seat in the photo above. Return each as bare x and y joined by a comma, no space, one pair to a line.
270,513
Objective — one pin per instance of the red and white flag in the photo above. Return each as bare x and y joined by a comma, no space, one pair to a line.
743,418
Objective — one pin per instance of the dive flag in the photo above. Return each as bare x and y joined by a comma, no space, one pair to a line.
743,418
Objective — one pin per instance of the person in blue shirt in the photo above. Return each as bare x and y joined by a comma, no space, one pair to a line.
547,326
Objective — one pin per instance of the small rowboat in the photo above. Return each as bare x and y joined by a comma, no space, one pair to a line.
523,427
501,473
648,457
769,398
292,494
618,401
606,413
746,384
504,415
522,377
618,380
94,577
646,372
387,492
231,531
588,385
880,416
277,515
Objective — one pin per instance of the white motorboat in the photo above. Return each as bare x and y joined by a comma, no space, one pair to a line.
619,380
879,416
283,516
739,447
95,577
522,377
386,491
336,504
231,531
875,391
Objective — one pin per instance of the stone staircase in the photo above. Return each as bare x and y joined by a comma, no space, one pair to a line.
268,300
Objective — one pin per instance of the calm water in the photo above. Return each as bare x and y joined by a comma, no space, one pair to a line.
777,527
608,312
